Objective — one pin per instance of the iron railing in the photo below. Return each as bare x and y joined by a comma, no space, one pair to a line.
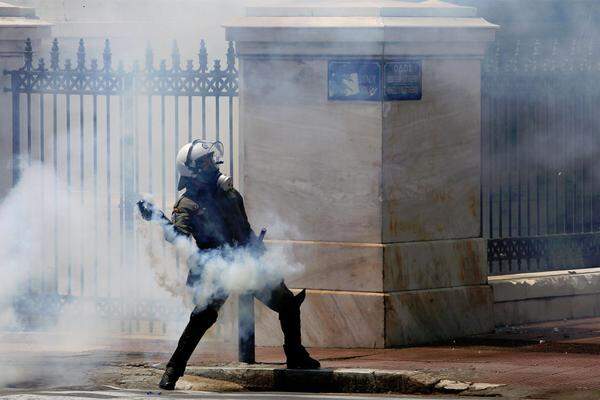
540,146
112,132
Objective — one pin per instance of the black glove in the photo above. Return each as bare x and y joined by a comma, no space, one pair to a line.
147,210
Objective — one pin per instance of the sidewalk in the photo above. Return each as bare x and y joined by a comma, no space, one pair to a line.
543,361
556,360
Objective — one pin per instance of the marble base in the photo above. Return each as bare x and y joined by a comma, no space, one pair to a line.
376,320
546,296
425,316
370,295
514,313
366,267
330,319
434,264
334,265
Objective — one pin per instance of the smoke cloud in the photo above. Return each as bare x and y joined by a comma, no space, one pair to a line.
42,221
228,270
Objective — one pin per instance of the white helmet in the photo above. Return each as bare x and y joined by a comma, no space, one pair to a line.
190,160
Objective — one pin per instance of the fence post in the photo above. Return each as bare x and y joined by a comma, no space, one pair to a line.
129,194
16,132
246,328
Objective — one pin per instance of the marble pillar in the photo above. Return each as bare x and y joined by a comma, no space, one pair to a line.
377,198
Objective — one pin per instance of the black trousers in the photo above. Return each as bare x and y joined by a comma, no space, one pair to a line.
279,299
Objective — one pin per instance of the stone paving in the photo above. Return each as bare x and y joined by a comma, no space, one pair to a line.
550,360
187,395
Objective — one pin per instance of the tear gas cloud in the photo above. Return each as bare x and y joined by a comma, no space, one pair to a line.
232,270
29,215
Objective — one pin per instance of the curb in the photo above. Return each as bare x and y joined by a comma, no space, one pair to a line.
340,380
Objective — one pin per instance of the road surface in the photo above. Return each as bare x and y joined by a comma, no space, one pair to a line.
109,393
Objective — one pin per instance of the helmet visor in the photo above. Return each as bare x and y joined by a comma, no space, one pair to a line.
217,151
214,149
204,155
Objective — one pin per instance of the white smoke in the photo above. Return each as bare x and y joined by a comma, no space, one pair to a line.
227,270
43,223
22,219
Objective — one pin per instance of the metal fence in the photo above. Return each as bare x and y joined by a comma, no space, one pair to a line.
540,152
112,133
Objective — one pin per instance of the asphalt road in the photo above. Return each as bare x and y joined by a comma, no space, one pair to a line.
180,395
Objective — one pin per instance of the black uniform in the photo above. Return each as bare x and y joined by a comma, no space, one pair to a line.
215,218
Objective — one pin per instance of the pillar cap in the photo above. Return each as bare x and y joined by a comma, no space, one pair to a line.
18,23
344,8
10,10
381,21
19,17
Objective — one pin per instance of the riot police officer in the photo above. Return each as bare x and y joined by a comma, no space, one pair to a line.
212,212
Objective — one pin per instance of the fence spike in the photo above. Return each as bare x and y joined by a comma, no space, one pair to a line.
175,57
94,64
528,62
149,58
217,65
516,57
107,56
230,56
589,55
553,55
497,58
572,55
28,54
163,65
488,62
582,60
535,55
136,66
203,56
190,65
509,57
54,55
81,55
68,64
41,64
545,57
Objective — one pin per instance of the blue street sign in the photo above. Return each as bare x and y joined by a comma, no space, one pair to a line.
354,80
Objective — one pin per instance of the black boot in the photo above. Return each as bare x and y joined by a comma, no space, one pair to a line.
200,321
298,358
169,378
296,355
